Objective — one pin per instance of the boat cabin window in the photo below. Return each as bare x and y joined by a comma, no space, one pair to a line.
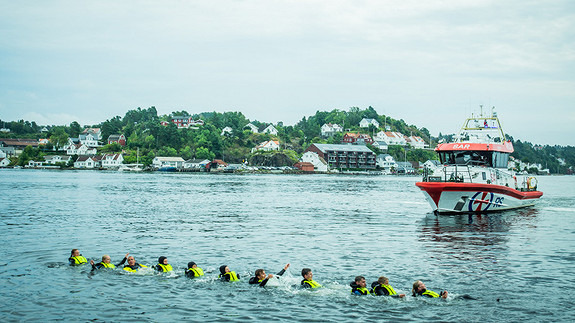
477,158
500,160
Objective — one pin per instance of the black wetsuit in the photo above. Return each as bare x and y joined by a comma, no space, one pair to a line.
226,277
255,280
100,265
378,290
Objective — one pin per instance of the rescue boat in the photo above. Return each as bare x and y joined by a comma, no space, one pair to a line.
473,176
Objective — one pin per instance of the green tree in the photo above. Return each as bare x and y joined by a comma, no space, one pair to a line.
75,129
204,153
60,138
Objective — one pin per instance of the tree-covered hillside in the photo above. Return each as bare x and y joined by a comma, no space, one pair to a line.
144,132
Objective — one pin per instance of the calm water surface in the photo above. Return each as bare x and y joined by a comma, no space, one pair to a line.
340,226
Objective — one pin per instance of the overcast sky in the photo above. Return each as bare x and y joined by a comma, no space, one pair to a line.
428,62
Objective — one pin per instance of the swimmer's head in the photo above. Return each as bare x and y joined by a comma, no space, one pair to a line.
75,253
192,264
383,280
224,269
106,259
131,261
260,274
163,260
360,281
307,274
417,286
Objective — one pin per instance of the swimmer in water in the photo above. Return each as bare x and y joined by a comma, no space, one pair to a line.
193,270
358,286
419,289
132,265
76,258
107,263
308,281
163,265
227,275
261,279
382,288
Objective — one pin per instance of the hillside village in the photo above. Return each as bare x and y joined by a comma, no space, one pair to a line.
337,141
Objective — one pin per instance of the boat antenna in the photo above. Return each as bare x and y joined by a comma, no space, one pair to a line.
481,107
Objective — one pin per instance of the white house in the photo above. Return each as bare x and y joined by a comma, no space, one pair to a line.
431,164
252,128
365,122
386,163
416,142
392,138
328,129
226,130
4,162
32,163
196,163
319,164
80,149
267,146
2,154
380,144
54,159
160,162
271,130
90,137
87,162
89,140
111,160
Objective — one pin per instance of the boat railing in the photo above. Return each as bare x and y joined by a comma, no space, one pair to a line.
451,173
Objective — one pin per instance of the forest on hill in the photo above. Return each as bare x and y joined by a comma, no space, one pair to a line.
143,130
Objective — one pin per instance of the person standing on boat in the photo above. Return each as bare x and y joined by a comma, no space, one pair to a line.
261,279
163,266
419,289
227,275
381,287
132,265
193,270
107,263
308,281
358,286
76,258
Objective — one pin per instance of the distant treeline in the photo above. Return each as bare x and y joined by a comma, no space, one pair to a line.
143,130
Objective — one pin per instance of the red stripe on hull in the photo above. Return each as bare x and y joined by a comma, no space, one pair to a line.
434,189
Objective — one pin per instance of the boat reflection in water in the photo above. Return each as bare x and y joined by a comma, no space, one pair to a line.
476,240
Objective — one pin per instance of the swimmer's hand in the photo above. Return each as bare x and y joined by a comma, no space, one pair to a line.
286,267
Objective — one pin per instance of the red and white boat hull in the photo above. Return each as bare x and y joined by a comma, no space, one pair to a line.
451,197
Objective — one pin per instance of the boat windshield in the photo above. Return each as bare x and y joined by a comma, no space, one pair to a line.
474,158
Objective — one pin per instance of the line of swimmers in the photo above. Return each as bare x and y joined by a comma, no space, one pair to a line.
381,287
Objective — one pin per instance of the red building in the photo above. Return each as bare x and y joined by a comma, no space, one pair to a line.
359,138
305,166
118,139
186,122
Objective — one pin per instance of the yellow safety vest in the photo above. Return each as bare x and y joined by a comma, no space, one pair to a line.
165,268
362,290
197,271
126,268
233,276
430,293
108,265
78,260
312,283
389,289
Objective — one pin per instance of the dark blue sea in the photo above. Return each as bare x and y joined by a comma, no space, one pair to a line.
519,265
